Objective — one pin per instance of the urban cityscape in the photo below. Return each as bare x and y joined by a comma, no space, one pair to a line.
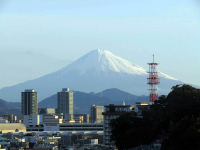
99,75
49,128
61,128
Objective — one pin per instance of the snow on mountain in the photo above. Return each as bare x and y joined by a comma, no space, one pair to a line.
167,76
96,71
104,61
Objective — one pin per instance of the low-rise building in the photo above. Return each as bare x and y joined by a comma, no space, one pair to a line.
4,142
82,118
78,118
45,111
96,114
81,127
86,118
31,120
12,127
113,112
51,122
140,107
3,120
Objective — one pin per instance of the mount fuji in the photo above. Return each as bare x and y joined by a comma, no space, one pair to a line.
96,71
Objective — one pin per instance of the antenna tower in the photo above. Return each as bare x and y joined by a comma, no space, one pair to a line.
153,81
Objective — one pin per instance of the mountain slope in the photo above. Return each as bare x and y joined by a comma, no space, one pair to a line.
83,101
119,95
9,108
95,71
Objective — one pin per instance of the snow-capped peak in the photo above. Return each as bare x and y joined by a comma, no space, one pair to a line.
100,60
103,60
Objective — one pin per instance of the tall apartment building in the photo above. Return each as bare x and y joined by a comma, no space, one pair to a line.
113,112
29,102
65,103
96,114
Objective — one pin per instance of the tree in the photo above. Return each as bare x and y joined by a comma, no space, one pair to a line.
184,115
175,119
129,131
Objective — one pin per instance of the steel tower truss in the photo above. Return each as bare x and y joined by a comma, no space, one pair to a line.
153,81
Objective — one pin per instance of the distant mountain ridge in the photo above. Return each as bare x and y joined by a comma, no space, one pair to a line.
83,101
95,71
9,107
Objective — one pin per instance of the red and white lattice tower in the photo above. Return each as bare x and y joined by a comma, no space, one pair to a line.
153,81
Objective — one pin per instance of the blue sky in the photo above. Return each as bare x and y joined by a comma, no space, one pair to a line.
37,33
